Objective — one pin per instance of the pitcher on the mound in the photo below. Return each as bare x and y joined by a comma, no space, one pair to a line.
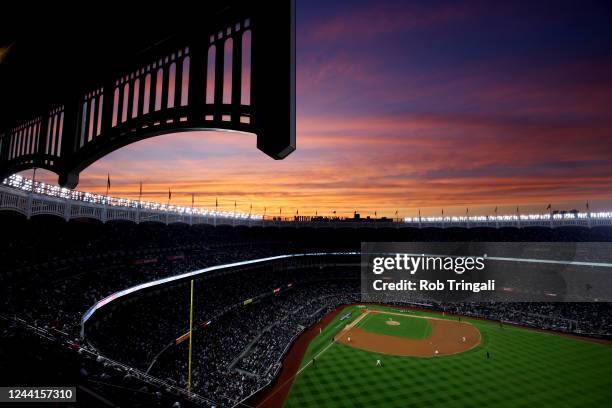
378,363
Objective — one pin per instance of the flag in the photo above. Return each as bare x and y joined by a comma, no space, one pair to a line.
107,183
467,210
396,212
250,208
443,212
517,209
216,203
419,213
375,215
587,205
169,194
549,206
495,210
297,212
334,211
140,191
192,199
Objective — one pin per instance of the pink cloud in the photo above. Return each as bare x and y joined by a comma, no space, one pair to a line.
369,21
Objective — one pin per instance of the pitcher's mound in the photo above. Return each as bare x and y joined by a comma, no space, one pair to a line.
392,323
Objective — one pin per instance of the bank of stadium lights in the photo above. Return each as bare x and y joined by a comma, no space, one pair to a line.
506,218
52,190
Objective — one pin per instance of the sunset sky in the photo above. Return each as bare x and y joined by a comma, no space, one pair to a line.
408,105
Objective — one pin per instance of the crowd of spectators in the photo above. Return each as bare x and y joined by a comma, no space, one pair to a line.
238,347
578,318
245,320
241,352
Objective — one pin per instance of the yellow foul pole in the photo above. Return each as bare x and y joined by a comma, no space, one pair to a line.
190,337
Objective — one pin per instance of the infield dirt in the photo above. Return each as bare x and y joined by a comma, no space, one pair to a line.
447,337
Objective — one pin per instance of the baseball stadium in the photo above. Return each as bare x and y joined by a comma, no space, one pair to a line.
260,317
441,235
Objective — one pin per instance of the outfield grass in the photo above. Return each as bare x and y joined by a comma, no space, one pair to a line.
409,327
526,368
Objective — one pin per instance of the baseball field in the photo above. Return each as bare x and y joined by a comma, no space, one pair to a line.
399,359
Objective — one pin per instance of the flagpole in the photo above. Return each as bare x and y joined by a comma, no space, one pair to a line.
192,202
588,214
190,338
496,220
31,195
34,181
216,210
139,203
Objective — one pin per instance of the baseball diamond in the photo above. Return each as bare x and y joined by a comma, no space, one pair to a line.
525,367
415,336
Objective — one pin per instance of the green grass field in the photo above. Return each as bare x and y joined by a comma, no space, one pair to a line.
409,327
526,369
